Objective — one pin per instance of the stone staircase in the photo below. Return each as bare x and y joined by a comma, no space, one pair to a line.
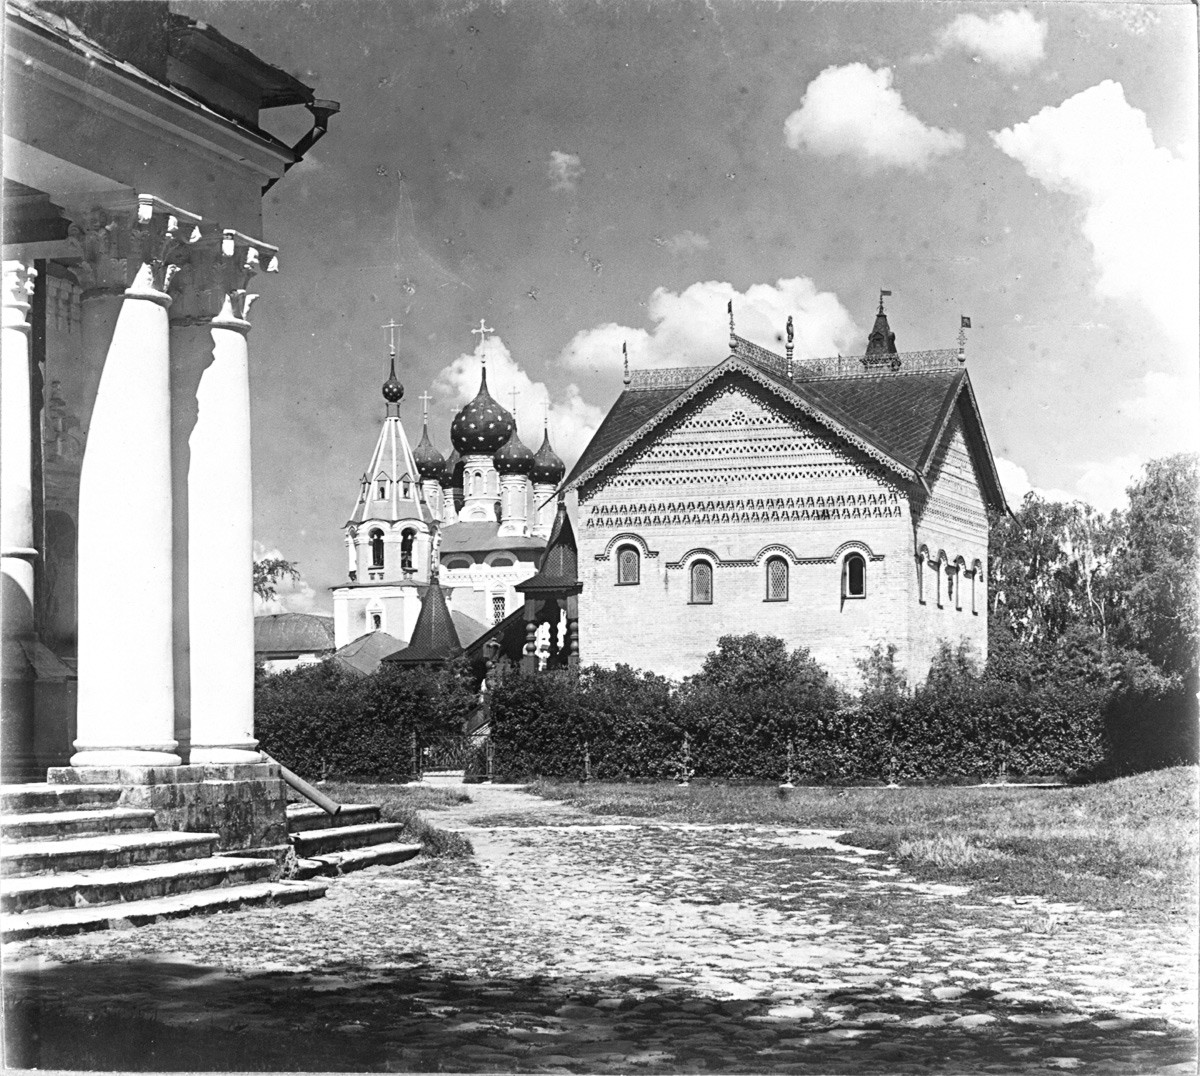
354,838
74,860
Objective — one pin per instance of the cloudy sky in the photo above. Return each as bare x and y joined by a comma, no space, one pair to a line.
592,172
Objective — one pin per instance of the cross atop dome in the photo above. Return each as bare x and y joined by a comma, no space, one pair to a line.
393,391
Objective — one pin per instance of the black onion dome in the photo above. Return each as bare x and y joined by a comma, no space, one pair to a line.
430,462
548,469
514,457
393,391
452,471
481,427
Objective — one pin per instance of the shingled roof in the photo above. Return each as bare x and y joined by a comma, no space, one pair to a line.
895,416
434,637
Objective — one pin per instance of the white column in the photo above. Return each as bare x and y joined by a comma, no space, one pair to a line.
16,441
126,682
16,506
221,530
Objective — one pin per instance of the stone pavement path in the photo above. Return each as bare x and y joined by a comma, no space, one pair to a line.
575,943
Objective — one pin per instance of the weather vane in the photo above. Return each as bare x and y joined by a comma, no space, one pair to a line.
882,293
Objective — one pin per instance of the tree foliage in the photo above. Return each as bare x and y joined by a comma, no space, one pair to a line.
269,572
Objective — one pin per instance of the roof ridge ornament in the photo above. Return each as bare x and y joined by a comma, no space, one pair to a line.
625,351
733,342
963,326
790,334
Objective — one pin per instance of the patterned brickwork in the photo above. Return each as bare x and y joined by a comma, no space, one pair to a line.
736,483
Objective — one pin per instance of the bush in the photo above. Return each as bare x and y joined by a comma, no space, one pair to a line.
325,722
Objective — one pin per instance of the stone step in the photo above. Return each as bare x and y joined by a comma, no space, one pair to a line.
302,817
110,850
374,855
58,921
342,838
49,825
75,889
46,797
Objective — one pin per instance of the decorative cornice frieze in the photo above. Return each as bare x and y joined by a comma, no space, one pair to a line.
135,247
213,283
18,293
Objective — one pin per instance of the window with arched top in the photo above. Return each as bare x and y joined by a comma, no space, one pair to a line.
777,579
376,540
407,538
497,608
477,482
459,562
376,621
629,566
702,583
382,490
502,562
854,576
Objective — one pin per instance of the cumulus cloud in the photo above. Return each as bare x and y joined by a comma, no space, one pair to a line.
291,595
572,419
1100,483
691,327
1138,199
855,112
1012,40
686,242
565,170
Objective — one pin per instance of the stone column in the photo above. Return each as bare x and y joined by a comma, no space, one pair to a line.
16,504
220,525
126,680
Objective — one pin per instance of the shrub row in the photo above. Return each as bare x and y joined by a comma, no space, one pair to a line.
326,722
1028,714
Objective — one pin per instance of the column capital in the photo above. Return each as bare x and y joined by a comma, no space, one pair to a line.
131,245
213,284
18,293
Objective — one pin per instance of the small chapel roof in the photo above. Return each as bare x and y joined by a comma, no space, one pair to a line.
559,570
434,637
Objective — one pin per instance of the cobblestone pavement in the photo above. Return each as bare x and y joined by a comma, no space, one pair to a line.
572,943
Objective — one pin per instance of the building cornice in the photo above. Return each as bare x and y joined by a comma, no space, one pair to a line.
34,52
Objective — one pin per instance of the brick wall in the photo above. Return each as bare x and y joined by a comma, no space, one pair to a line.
735,482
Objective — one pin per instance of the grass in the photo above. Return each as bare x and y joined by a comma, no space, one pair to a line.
1128,844
402,803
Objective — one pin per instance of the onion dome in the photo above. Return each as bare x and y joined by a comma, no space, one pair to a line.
514,457
482,426
393,391
548,469
430,462
452,472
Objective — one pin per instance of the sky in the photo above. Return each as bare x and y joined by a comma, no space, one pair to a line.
591,173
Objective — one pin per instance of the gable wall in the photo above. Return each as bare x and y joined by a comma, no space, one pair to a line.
699,486
953,520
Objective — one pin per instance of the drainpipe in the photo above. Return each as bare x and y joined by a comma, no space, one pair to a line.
321,111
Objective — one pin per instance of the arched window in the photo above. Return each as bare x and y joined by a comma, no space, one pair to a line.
854,576
629,566
376,621
777,579
502,562
477,482
376,539
407,538
459,562
382,490
702,583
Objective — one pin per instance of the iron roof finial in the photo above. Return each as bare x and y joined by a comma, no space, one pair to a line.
732,335
625,351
